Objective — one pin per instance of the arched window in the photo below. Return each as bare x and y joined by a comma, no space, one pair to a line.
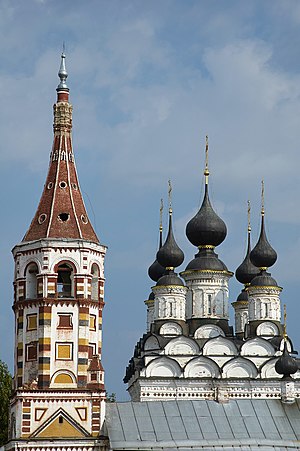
65,281
31,281
95,282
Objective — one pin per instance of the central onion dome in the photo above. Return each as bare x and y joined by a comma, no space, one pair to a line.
247,271
170,256
206,230
206,227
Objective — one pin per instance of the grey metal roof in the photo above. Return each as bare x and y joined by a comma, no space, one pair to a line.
186,425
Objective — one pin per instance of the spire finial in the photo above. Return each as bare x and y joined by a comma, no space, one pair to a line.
206,170
170,197
262,197
161,214
62,73
284,322
249,218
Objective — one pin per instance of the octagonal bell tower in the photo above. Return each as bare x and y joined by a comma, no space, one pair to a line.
58,302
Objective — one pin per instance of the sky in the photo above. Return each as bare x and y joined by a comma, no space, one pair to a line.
148,80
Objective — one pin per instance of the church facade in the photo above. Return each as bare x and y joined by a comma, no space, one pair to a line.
195,382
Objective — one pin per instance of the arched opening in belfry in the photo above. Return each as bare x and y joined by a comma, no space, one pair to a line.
65,281
31,281
95,282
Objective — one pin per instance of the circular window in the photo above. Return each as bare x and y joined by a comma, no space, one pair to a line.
74,186
63,217
50,184
42,218
84,219
62,184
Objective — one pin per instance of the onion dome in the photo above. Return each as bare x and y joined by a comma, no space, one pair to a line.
286,365
206,227
151,297
243,296
247,271
170,255
263,255
156,270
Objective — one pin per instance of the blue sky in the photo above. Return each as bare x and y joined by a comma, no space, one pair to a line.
148,81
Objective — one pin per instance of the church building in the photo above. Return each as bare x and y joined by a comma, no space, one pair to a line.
195,381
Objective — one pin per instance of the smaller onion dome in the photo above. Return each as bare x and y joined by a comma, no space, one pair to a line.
263,255
170,255
286,365
156,270
206,227
151,296
247,271
243,296
263,279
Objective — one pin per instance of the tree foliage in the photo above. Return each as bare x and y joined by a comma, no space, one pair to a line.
5,392
111,398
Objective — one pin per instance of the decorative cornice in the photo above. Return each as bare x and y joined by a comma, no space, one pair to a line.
206,271
48,302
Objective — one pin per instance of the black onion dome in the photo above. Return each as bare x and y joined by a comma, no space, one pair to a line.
151,296
286,365
263,255
206,260
206,227
243,296
264,279
170,255
246,271
155,271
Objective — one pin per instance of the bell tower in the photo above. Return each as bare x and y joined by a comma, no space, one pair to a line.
58,302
